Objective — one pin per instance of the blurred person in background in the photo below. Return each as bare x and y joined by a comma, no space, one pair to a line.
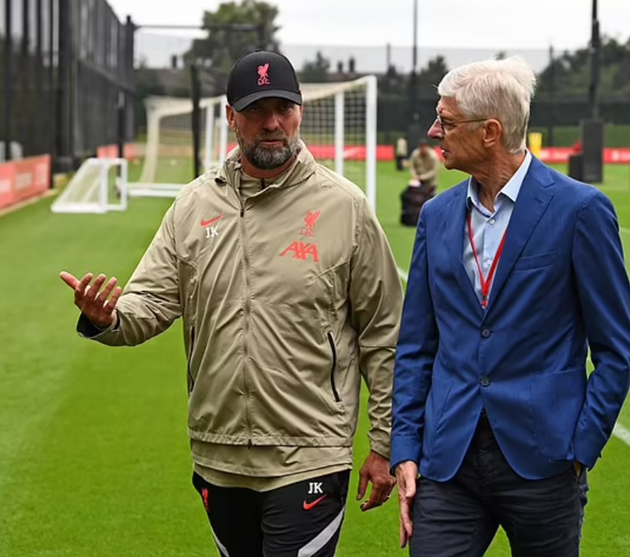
401,153
515,274
424,165
289,295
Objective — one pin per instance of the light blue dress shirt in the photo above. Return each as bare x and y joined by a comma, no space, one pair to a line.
488,227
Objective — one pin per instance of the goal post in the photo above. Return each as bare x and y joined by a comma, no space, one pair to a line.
97,187
169,152
339,126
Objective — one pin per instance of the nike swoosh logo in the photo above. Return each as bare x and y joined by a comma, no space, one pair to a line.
309,506
210,222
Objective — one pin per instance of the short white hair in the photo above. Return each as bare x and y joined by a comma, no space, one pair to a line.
501,89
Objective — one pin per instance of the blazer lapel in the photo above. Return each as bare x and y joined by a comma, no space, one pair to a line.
456,233
532,201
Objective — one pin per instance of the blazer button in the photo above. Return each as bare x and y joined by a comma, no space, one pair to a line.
485,333
484,381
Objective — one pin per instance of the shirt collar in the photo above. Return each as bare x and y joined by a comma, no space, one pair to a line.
510,190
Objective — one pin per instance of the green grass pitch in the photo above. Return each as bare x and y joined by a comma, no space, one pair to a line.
94,457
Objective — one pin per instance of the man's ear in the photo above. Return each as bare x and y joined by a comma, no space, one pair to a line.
493,131
229,115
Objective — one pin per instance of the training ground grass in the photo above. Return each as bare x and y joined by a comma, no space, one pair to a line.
94,458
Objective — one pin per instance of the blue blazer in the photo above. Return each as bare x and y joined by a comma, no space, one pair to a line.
560,287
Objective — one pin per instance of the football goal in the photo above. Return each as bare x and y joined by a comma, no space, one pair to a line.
99,186
338,127
169,151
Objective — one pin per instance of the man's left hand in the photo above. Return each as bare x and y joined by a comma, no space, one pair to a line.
375,469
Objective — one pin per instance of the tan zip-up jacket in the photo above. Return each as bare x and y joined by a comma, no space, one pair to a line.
288,297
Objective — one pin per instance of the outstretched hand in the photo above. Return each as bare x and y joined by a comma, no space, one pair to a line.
94,300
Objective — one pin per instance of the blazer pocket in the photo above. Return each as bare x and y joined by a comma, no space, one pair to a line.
538,261
558,398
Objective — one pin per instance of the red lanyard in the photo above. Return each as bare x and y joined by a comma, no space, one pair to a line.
487,281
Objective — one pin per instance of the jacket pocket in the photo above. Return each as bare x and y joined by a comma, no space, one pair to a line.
191,378
558,399
333,370
538,261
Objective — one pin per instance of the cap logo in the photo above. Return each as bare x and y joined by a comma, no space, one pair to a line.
263,75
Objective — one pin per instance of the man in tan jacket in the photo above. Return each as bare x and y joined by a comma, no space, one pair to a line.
424,165
289,295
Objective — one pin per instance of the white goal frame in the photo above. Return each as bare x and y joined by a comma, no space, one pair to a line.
161,107
316,91
89,189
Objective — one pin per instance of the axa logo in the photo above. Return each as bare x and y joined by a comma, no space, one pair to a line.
309,223
263,75
302,250
211,226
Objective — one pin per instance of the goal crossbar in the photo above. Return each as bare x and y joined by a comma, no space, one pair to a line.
339,127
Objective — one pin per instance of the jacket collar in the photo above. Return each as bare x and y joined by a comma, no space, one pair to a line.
533,199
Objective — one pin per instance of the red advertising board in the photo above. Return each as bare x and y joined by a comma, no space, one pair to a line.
612,155
385,153
23,179
131,151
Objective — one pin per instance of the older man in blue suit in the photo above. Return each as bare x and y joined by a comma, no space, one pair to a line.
515,273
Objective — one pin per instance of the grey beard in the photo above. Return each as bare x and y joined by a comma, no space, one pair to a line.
268,159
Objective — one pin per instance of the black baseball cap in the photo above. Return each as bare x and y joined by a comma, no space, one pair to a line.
261,75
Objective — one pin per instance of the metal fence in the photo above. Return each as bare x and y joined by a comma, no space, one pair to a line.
66,66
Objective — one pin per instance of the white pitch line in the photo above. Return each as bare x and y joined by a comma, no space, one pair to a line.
403,275
624,230
622,433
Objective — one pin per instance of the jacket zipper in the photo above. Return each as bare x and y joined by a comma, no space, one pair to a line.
247,314
190,354
333,348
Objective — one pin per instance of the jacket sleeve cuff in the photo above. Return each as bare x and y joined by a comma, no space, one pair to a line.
380,446
89,330
588,450
405,449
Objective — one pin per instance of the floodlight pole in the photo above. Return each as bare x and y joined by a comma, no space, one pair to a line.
414,78
413,130
121,106
7,84
415,35
552,97
195,93
594,50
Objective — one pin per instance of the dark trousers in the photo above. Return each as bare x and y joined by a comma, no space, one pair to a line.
299,519
459,518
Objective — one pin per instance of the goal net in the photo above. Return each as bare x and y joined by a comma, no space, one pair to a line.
169,153
338,127
99,186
